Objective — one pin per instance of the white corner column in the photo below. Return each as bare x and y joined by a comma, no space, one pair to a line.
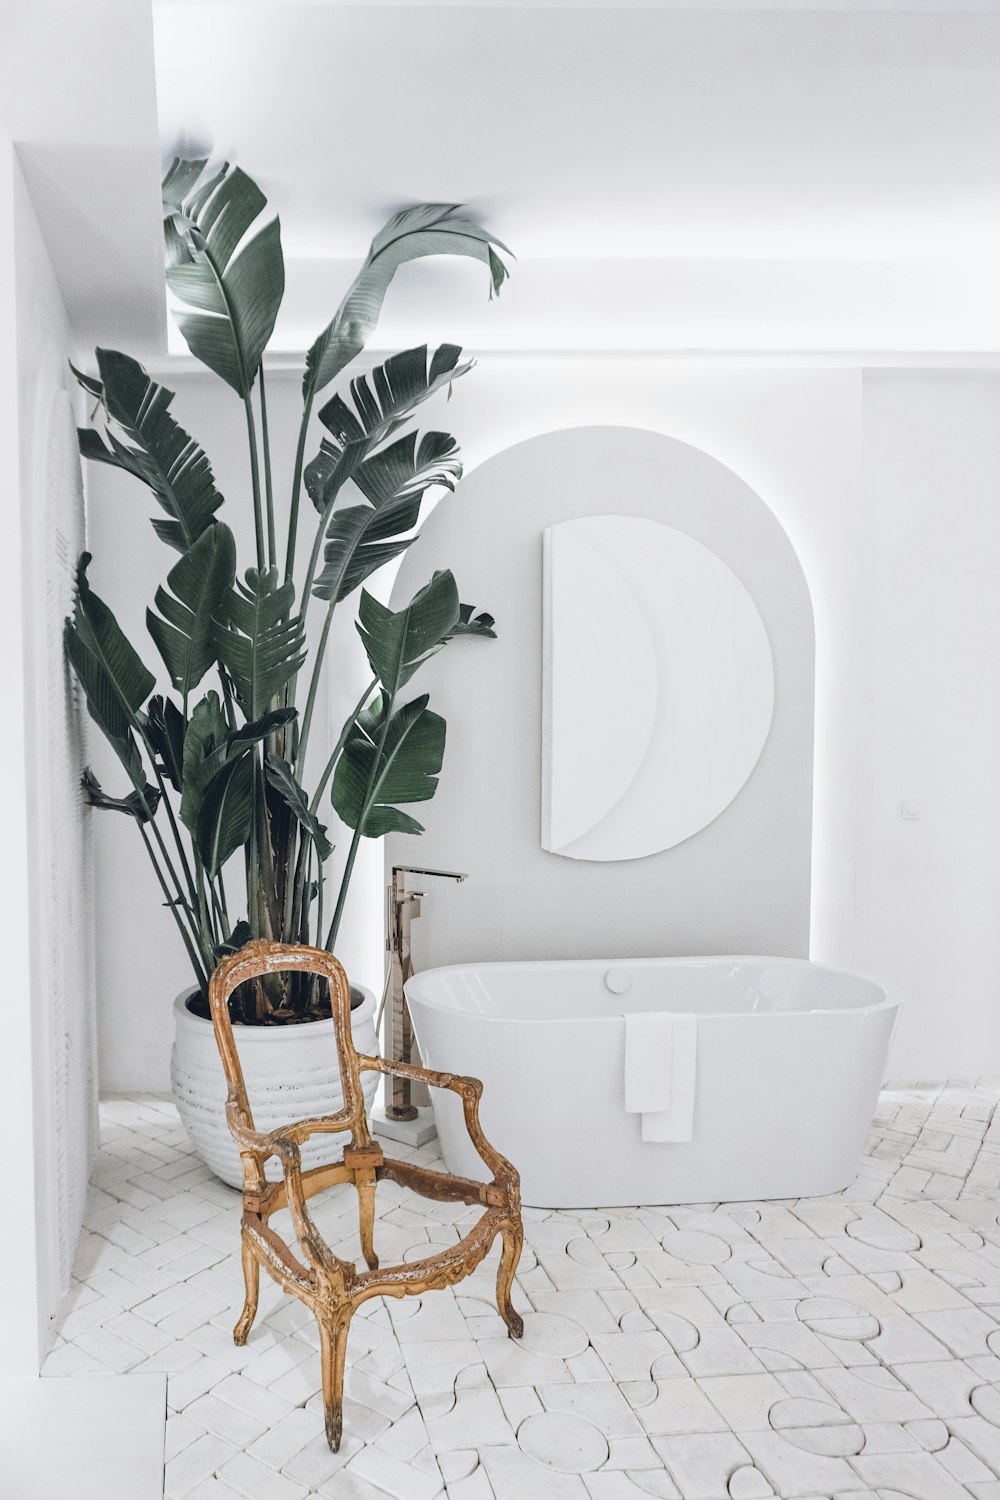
19,1284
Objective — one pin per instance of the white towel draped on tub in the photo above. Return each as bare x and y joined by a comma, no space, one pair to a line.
660,1066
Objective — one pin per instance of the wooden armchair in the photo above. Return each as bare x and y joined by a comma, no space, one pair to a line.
333,1288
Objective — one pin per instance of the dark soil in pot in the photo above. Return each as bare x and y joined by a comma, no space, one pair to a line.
242,1005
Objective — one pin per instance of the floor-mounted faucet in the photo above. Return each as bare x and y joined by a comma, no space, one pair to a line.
402,907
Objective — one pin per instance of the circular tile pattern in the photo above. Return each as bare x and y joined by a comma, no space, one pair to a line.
655,1482
930,1432
696,1247
748,1483
816,1427
837,1319
551,1333
881,1234
985,1401
679,1333
563,1442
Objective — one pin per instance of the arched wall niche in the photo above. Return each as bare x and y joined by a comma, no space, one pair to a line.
741,884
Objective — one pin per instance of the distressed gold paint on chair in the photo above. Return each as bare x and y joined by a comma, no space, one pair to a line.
333,1288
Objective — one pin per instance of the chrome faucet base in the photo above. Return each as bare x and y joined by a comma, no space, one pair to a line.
401,908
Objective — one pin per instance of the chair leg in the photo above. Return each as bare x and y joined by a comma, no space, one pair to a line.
366,1208
513,1239
251,1276
333,1349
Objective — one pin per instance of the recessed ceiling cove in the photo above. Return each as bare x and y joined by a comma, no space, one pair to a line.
658,687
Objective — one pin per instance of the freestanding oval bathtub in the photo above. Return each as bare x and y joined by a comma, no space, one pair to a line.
790,1059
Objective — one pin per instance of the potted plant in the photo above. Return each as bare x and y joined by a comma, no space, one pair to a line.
215,769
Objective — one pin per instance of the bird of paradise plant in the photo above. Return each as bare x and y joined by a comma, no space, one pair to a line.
212,771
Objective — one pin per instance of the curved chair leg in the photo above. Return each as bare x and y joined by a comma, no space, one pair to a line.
513,1239
333,1349
251,1275
366,1207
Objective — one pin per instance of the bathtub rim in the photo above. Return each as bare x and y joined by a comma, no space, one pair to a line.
892,998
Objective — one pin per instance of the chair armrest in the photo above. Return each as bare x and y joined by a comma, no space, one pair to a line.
505,1175
459,1083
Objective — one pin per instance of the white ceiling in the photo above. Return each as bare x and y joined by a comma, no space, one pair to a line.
795,176
77,95
585,133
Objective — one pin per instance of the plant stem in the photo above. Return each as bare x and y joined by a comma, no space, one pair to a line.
327,773
223,902
293,517
304,601
171,902
196,932
301,875
356,840
265,854
324,522
320,879
342,741
203,917
258,519
306,720
271,538
223,925
192,890
331,936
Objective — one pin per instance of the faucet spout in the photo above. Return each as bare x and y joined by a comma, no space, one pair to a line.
456,875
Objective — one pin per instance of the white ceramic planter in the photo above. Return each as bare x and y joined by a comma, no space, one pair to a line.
291,1074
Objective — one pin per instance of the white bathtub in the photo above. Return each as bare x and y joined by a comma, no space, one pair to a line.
790,1059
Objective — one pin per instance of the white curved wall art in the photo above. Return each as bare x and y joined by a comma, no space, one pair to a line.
658,687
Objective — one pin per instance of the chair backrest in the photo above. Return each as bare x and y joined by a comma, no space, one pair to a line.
256,959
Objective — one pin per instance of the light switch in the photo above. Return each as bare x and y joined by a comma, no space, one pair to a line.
911,810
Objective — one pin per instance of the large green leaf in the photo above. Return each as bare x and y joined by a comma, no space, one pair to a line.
398,641
470,624
393,479
200,582
140,805
376,773
164,726
408,467
158,451
225,816
209,744
231,279
115,681
261,647
380,403
204,738
361,538
429,229
281,777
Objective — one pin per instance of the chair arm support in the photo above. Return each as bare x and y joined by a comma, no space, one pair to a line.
283,1144
267,1144
459,1083
471,1091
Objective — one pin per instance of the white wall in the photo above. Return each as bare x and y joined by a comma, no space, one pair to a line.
742,883
794,436
19,1304
847,461
47,1118
928,888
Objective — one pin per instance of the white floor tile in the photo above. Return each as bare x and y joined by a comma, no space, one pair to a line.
825,1349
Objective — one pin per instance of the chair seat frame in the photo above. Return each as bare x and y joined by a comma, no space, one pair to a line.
333,1289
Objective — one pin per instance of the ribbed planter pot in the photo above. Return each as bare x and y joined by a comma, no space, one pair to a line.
291,1074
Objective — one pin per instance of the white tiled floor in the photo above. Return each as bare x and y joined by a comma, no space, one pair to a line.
823,1349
